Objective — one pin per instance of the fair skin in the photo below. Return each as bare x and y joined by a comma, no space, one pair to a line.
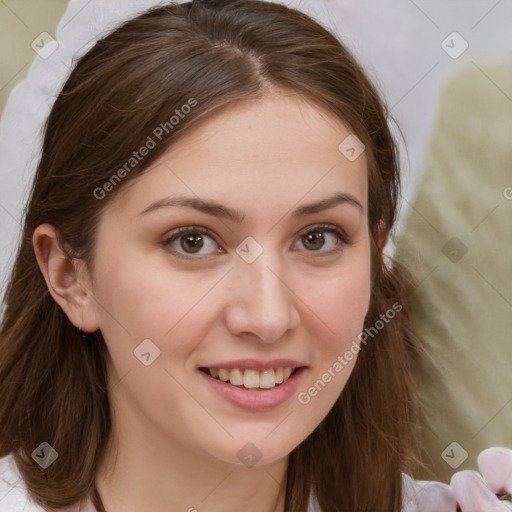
177,439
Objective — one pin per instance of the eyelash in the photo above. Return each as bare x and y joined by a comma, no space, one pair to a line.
179,232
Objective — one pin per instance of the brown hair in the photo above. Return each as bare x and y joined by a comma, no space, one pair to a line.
53,384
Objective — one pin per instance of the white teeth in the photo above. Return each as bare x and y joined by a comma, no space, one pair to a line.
252,379
267,379
236,377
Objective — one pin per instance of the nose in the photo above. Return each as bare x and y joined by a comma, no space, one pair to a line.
261,301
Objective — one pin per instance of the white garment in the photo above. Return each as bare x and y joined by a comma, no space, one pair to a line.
419,496
13,492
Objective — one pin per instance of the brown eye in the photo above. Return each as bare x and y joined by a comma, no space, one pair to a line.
191,241
315,239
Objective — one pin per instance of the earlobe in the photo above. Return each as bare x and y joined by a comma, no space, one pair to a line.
61,274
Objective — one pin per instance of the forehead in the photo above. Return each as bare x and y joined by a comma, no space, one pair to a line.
258,152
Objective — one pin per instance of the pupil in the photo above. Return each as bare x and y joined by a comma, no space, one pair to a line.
315,237
195,242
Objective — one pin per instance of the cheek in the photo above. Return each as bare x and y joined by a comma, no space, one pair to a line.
342,303
141,298
140,301
340,307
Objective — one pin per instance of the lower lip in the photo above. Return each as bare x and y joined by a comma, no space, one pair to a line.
256,399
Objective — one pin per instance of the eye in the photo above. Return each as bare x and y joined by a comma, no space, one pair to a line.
315,240
191,240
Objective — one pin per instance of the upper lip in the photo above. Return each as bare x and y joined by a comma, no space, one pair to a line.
255,364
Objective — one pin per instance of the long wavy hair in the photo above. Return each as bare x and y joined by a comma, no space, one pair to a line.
53,384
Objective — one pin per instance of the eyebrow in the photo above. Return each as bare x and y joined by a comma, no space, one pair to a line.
217,209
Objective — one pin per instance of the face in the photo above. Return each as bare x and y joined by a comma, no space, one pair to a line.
257,276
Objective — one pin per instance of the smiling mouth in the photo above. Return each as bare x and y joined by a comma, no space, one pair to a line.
251,379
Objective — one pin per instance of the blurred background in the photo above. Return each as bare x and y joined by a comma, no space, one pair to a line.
20,23
445,70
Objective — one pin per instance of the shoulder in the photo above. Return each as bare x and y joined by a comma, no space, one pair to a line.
13,492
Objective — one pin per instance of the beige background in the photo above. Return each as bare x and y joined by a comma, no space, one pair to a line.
21,21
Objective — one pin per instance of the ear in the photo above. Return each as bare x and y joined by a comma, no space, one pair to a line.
64,278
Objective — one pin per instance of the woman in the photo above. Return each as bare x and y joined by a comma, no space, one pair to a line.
200,315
